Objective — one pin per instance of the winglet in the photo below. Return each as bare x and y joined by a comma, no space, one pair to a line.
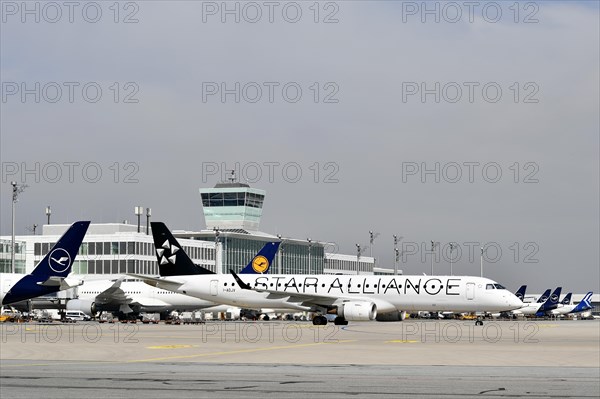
237,278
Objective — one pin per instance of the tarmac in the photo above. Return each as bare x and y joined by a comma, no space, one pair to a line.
424,359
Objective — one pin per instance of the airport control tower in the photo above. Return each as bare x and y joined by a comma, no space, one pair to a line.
232,205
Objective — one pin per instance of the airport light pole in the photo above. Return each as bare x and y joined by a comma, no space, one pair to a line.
357,258
217,234
432,255
48,213
481,263
139,210
309,248
451,248
16,190
148,214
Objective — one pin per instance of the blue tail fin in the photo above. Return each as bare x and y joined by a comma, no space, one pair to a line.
567,299
544,296
56,264
261,263
585,303
59,260
172,259
521,292
552,302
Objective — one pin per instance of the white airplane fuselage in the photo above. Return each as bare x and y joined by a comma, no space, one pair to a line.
387,293
146,298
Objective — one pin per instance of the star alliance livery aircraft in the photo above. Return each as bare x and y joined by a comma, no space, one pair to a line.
350,297
50,275
133,297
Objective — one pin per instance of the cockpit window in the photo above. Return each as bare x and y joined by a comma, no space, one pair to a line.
499,287
489,287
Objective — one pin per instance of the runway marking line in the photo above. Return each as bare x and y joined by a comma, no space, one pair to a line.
175,346
270,348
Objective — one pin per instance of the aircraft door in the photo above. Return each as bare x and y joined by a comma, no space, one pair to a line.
214,286
470,291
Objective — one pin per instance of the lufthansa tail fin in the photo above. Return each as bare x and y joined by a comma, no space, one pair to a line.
544,296
50,273
261,263
567,299
552,302
172,259
521,292
59,260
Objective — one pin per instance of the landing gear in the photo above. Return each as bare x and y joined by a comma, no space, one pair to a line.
340,321
479,321
319,320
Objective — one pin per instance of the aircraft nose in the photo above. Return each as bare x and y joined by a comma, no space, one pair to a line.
514,302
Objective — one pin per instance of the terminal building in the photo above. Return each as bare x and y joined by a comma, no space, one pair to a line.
232,213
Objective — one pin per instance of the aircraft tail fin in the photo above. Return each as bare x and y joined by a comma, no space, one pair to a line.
59,260
261,263
585,303
172,259
521,292
544,297
50,274
567,299
552,302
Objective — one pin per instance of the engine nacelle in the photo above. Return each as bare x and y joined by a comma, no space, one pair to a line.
357,311
391,316
87,307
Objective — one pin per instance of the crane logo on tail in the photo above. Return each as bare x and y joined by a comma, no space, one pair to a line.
59,260
260,264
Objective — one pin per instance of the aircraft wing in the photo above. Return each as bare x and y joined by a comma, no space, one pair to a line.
170,285
113,294
299,299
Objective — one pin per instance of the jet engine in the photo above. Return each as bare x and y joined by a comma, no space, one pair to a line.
391,316
357,311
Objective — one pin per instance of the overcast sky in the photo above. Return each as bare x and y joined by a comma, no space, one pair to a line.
386,92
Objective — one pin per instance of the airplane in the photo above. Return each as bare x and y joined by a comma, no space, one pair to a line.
350,297
51,274
531,308
567,308
550,304
130,296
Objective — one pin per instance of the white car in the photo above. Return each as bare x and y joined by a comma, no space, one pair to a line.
76,315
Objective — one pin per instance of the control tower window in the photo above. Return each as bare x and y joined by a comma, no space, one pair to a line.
229,199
